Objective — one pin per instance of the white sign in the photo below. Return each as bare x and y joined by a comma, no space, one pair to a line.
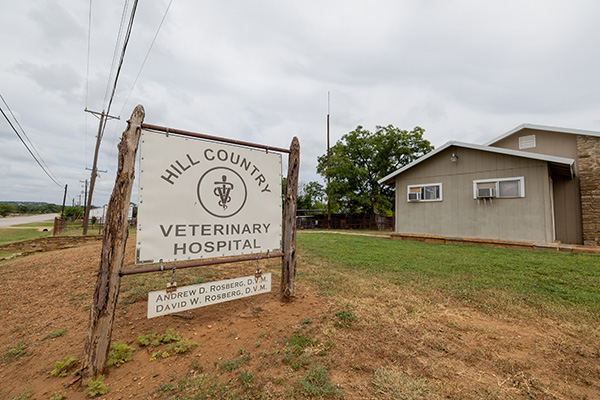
195,296
201,199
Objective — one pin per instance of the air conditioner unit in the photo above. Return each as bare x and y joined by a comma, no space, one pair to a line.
485,193
414,196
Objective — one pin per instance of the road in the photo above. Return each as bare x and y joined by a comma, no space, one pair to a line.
9,221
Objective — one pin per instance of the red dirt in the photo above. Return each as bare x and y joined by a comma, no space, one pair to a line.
460,352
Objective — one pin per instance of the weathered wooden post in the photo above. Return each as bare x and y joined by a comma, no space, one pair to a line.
108,281
288,262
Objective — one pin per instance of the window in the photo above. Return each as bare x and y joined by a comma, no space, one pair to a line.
501,188
428,192
526,142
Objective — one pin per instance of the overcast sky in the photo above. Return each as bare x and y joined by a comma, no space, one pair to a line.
260,71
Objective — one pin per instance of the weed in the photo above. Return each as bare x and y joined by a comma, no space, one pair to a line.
257,344
58,396
298,342
246,378
346,317
25,395
63,368
146,340
197,366
233,364
55,334
164,387
298,362
202,387
170,336
240,351
159,353
256,310
119,354
182,346
18,351
315,383
96,387
305,321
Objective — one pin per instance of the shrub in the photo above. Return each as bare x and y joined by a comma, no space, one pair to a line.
96,387
119,354
62,368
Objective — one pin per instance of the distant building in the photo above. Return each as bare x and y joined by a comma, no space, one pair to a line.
533,184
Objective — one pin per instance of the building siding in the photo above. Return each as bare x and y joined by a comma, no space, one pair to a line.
566,191
459,215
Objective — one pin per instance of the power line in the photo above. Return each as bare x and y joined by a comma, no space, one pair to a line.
87,79
104,116
147,54
125,43
112,146
114,59
27,137
27,147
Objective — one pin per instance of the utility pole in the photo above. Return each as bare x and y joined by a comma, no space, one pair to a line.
85,196
328,179
62,213
103,118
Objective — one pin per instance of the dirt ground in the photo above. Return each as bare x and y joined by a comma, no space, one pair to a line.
401,347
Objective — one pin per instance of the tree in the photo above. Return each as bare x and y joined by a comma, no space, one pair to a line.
6,209
310,196
360,158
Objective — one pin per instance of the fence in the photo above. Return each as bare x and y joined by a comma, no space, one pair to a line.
345,221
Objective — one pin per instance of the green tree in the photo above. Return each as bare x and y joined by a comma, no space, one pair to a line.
310,196
6,209
360,158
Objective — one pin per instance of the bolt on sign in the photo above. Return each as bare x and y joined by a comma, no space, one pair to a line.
202,199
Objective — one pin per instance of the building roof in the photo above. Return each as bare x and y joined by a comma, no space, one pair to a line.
544,128
559,162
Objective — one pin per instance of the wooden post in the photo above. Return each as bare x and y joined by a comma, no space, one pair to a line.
288,262
108,280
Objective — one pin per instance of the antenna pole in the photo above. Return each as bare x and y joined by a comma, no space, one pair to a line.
328,179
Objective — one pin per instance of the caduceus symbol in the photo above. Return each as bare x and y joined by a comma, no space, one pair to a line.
222,191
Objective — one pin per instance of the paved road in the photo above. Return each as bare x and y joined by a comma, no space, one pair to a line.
9,221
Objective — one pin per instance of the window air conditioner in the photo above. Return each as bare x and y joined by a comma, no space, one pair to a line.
414,196
485,192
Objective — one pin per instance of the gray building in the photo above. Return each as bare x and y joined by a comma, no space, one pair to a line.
534,184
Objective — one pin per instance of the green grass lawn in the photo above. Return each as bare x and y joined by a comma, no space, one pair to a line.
44,224
9,235
499,281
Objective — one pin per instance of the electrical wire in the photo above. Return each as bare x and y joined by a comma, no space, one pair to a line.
146,58
87,80
27,137
125,43
45,169
112,146
114,59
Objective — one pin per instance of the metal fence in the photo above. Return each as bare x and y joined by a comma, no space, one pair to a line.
344,221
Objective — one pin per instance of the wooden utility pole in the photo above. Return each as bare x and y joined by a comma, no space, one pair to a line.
288,262
108,281
88,204
62,213
85,195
